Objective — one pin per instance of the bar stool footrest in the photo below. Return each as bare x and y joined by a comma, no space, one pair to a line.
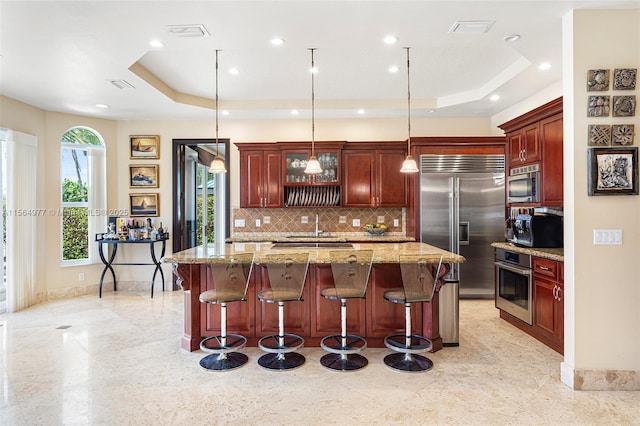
271,344
398,343
213,344
333,344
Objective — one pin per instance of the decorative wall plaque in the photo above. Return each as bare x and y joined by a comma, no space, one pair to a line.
622,134
624,78
598,106
624,106
599,135
598,80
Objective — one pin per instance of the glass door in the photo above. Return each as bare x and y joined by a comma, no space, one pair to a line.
3,268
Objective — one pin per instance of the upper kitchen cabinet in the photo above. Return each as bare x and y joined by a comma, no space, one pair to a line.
295,161
372,177
537,137
260,175
524,146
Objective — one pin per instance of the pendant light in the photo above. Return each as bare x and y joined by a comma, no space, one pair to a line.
217,165
409,164
313,165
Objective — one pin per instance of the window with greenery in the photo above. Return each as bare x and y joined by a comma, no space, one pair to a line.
80,148
205,179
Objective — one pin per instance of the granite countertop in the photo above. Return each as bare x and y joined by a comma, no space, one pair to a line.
547,253
382,252
332,237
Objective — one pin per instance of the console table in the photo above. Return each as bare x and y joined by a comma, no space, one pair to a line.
114,243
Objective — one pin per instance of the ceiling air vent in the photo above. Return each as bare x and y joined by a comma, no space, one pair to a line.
470,27
195,30
122,84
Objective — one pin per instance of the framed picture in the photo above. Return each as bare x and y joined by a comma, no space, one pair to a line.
613,171
144,205
143,176
144,147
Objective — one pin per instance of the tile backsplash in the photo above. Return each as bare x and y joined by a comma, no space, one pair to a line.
332,220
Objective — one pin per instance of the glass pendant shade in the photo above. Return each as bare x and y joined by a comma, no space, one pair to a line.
409,165
217,165
313,166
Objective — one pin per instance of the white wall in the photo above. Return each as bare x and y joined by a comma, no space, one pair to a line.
602,290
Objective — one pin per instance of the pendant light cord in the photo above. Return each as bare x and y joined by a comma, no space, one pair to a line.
313,104
408,105
217,152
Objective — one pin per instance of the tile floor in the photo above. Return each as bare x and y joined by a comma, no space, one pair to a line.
118,361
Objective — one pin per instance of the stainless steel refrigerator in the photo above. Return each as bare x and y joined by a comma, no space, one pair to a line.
462,210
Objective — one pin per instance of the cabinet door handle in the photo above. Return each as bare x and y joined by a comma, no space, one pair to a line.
554,292
559,296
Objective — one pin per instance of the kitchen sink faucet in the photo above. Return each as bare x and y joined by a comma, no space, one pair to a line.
318,231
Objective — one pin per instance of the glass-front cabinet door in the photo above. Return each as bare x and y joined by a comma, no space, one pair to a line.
296,162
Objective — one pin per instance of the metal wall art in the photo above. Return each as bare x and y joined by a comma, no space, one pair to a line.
598,106
624,106
599,135
622,134
613,171
624,78
598,80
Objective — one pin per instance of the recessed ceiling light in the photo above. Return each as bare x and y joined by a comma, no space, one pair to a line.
225,112
156,43
277,41
102,106
390,39
361,111
544,66
393,69
494,98
430,111
313,70
512,37
294,112
234,71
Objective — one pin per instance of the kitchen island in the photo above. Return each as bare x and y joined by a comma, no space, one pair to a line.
314,317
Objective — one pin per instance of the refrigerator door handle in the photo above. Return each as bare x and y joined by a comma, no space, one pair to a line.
463,233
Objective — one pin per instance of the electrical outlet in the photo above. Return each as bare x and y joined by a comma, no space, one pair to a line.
342,219
304,219
356,222
380,219
396,222
81,276
239,223
257,223
266,220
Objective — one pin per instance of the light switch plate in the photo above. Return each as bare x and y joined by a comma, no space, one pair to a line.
396,222
239,223
258,223
356,222
607,237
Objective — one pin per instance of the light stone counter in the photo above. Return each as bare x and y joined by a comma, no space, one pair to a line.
382,252
359,237
547,253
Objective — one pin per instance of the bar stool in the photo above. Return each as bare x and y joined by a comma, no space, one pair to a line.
287,274
351,269
230,278
419,278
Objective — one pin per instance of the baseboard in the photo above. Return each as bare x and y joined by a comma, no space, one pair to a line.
600,380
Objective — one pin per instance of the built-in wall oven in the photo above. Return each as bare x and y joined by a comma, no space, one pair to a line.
513,284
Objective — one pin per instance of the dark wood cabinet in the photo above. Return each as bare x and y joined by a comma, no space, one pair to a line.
524,146
537,137
548,303
372,178
261,178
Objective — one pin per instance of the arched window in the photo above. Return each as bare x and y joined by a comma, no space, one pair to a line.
82,194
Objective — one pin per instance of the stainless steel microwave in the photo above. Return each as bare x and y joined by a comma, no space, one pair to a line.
523,184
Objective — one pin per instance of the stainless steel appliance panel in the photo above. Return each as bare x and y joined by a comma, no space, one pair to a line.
462,201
